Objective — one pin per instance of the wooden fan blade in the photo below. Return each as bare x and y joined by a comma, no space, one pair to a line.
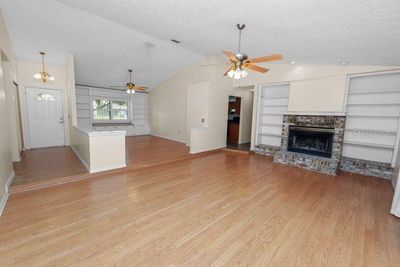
231,56
226,73
256,68
265,59
141,88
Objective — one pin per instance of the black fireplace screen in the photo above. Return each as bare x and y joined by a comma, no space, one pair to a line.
310,140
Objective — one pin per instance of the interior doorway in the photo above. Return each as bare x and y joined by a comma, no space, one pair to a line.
233,121
240,112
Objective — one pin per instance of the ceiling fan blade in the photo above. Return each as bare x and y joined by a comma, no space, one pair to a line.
226,72
141,88
231,56
265,59
256,68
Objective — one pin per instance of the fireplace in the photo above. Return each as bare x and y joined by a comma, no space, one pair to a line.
311,140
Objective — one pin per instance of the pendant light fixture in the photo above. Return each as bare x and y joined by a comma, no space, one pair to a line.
43,75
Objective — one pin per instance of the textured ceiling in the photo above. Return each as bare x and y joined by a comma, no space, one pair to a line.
107,36
312,31
104,50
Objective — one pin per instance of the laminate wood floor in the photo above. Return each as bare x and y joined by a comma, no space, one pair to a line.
222,209
44,164
142,151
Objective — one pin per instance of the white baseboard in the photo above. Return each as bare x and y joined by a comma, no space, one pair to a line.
6,194
172,139
107,168
81,159
206,149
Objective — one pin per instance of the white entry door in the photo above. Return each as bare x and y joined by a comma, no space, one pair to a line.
45,117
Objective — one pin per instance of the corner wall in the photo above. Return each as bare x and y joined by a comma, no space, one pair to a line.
8,146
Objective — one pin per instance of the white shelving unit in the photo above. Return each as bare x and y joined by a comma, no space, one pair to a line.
139,110
372,122
273,102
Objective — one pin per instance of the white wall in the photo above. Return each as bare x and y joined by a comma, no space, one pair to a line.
313,88
26,70
8,146
167,101
320,94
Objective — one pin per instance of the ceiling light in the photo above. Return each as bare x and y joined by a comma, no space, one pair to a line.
237,74
292,62
43,75
344,62
130,91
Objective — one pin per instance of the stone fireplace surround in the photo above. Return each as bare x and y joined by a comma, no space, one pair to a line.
311,162
328,166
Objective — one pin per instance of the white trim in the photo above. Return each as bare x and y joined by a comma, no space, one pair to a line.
372,73
118,166
207,149
81,159
6,192
169,138
324,113
396,144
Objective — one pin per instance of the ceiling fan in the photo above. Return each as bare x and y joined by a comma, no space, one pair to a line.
130,87
241,62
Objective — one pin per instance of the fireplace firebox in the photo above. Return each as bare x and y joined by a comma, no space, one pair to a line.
311,140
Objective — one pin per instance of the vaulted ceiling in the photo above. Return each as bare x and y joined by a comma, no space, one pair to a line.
108,36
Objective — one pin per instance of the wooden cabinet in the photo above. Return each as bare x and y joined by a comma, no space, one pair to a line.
233,133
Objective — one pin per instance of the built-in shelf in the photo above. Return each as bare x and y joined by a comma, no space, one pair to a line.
374,104
369,130
355,143
274,96
271,124
275,105
372,116
270,134
373,92
271,114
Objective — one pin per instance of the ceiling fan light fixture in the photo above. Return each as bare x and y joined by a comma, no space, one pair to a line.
130,91
238,73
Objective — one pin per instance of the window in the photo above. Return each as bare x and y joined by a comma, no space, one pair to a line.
45,97
110,110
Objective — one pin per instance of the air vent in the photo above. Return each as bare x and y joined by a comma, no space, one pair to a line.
176,41
149,45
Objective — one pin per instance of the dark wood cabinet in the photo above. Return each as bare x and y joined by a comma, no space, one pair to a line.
233,132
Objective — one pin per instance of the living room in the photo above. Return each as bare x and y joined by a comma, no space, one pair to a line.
131,152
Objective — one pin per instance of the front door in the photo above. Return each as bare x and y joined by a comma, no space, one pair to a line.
45,117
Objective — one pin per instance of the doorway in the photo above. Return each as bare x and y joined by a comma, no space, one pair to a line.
240,113
45,117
